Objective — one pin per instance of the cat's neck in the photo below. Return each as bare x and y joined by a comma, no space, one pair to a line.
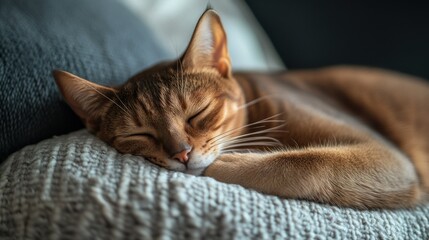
256,105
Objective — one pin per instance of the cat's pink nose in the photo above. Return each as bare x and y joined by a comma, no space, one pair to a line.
183,156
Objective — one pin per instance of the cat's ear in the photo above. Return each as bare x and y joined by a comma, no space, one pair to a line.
208,47
88,100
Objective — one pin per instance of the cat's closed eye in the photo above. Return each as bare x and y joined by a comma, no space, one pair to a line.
142,134
191,121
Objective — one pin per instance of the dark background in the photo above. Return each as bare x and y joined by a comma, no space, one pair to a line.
387,34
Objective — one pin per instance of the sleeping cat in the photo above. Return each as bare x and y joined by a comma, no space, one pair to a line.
348,136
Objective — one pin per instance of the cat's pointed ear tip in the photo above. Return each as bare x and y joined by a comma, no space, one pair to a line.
211,12
58,74
61,75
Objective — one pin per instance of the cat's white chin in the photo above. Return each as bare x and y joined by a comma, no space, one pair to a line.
196,166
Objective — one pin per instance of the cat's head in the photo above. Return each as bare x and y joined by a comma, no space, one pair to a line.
177,115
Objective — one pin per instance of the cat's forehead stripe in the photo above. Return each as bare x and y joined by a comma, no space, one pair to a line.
136,118
182,102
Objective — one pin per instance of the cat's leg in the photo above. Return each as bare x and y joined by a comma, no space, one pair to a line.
363,175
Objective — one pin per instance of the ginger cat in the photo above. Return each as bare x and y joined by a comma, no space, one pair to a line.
348,136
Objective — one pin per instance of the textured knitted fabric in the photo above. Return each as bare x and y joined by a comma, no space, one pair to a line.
97,39
77,187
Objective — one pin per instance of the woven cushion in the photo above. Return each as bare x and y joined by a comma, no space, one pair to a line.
97,39
77,187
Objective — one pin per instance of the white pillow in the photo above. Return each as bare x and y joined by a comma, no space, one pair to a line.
77,187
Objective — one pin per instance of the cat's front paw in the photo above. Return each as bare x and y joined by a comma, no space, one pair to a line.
223,167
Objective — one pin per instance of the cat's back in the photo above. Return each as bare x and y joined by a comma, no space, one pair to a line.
377,97
393,105
381,98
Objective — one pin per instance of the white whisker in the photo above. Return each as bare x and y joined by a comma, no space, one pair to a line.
273,129
252,144
256,101
242,140
265,120
235,130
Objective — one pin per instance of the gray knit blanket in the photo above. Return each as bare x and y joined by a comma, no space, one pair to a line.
77,187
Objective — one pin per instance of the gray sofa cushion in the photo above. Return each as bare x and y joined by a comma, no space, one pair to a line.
77,187
97,39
